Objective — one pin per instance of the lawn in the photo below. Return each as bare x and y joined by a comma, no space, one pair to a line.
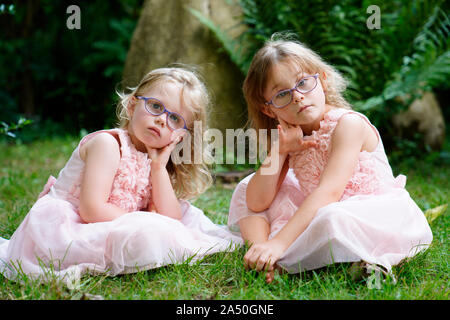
25,169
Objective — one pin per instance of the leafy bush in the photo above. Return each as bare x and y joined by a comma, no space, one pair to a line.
8,129
408,55
62,78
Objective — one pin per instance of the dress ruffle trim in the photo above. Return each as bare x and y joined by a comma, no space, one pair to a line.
131,189
309,164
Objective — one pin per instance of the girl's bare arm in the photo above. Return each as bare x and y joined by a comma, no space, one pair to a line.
263,187
102,156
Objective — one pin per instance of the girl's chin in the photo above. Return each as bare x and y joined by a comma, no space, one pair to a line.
156,144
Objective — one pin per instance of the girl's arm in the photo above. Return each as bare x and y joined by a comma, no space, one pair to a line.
347,141
262,188
101,156
265,184
163,194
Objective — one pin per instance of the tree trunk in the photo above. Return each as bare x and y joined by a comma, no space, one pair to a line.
168,33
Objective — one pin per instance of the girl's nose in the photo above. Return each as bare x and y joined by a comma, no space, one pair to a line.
161,119
298,96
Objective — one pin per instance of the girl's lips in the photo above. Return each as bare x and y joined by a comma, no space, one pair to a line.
155,131
303,108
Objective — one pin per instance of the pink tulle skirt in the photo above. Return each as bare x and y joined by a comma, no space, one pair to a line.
379,229
53,239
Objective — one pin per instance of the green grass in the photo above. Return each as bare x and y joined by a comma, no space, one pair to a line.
25,169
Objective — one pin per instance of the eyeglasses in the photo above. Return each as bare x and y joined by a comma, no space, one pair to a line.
284,97
156,108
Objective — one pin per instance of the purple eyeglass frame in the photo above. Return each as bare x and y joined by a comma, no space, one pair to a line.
164,111
315,76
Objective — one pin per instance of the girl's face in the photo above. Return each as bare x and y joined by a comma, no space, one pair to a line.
305,109
147,130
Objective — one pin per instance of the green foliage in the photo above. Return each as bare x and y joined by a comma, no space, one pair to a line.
230,45
386,67
427,67
7,129
62,78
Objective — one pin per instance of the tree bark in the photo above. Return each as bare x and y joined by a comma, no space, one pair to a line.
168,33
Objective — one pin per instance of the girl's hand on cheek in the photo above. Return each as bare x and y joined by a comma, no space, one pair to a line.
291,138
161,156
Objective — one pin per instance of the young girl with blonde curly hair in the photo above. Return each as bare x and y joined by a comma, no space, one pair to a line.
120,203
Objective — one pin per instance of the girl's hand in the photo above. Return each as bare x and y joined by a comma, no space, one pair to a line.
291,138
264,255
161,156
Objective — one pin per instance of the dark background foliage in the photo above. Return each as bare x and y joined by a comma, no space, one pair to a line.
62,79
387,68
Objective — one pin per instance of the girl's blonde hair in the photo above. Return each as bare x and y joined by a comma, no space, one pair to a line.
188,179
278,50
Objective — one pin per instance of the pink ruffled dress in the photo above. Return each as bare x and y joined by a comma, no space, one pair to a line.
53,239
375,221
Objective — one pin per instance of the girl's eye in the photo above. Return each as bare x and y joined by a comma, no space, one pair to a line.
282,94
302,83
156,106
174,118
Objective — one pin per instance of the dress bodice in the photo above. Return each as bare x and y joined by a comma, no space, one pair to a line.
131,188
372,174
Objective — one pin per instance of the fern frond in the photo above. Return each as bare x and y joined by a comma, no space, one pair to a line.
230,45
427,67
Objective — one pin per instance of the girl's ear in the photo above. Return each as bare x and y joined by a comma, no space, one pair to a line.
131,105
267,111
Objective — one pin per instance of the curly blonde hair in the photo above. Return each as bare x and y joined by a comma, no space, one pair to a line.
188,179
277,50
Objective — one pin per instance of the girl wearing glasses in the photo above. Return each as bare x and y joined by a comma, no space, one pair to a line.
120,203
330,195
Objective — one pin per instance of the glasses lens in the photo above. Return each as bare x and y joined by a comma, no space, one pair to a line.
306,84
154,107
175,121
282,98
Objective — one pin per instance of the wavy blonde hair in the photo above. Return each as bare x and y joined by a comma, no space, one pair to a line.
188,179
279,49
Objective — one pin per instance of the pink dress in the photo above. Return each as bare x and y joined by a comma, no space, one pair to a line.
375,220
53,237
